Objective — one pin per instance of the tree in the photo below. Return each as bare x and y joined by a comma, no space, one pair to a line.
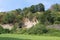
37,8
55,7
26,10
32,9
49,16
8,18
41,7
18,11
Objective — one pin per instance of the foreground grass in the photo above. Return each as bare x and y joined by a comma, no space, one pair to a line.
26,37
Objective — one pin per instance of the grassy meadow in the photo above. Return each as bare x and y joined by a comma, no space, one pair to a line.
26,37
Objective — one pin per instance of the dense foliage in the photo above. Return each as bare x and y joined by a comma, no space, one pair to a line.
44,17
38,29
2,31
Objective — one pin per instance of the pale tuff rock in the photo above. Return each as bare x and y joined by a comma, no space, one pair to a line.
7,26
28,23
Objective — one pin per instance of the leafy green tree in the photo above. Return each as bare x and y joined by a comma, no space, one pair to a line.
41,7
37,8
19,18
55,7
49,16
9,18
32,9
25,11
18,11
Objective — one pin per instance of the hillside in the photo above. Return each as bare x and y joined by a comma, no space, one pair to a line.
31,20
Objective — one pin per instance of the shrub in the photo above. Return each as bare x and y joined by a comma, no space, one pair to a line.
4,30
14,29
8,18
38,29
1,29
53,32
23,31
57,22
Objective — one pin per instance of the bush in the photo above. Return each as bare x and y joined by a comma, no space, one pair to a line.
53,32
1,29
38,29
8,18
4,30
23,31
57,22
14,29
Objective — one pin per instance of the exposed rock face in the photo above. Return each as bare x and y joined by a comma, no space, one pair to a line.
7,26
54,26
29,23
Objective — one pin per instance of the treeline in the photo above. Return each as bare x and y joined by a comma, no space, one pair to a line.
16,15
43,15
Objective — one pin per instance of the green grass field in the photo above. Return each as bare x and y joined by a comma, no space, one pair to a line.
26,37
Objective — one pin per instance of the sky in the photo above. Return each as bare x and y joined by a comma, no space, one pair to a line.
7,5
